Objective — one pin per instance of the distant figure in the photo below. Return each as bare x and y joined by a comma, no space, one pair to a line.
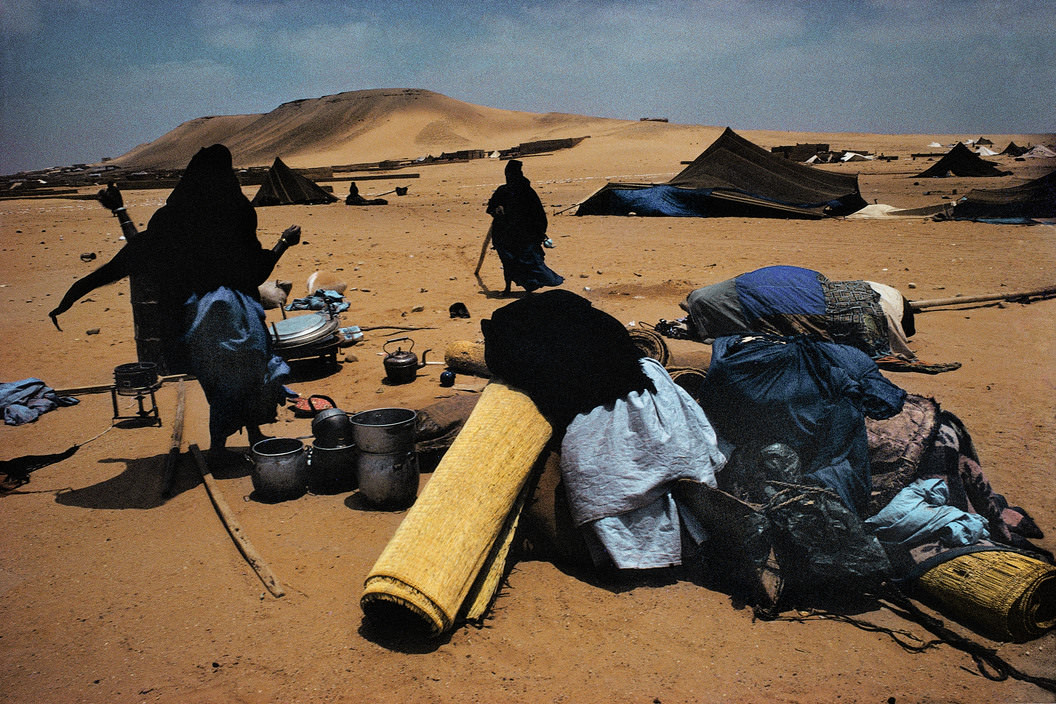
201,249
354,198
518,232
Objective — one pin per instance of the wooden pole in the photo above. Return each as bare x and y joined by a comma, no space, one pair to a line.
228,519
957,300
169,474
483,250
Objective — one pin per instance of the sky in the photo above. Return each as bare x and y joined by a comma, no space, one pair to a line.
82,80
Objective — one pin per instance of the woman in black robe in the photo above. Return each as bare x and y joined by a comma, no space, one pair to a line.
518,232
201,252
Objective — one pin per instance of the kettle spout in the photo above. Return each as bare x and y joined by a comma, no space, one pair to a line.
422,365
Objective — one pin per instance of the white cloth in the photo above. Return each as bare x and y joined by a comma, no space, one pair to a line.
619,463
892,305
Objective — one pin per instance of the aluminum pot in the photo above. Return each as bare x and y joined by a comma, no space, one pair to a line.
280,467
384,430
332,428
388,480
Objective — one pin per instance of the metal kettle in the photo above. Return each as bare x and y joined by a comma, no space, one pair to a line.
402,365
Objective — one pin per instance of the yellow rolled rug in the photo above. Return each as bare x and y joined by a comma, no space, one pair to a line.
1007,595
447,557
466,357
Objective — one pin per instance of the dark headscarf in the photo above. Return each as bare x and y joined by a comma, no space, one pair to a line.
208,229
514,172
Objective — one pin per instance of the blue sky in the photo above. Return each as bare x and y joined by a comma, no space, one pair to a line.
81,80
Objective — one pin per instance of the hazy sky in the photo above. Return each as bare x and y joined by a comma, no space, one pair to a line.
81,80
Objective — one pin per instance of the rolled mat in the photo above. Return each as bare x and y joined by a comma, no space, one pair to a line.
466,357
1007,595
650,343
446,558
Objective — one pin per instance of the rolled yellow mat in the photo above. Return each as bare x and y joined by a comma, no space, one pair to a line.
1009,596
446,546
466,357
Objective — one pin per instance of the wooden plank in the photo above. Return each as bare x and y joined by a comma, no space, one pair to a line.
227,517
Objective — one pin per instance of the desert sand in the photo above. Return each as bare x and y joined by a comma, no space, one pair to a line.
112,594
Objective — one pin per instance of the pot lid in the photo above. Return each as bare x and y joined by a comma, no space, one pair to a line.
302,330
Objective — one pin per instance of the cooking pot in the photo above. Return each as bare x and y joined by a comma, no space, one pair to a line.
384,430
402,366
332,428
279,468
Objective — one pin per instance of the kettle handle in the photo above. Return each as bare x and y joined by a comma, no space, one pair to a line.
399,339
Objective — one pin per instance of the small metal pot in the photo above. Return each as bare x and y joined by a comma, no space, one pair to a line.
332,428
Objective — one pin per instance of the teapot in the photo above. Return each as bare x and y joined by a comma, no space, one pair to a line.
402,366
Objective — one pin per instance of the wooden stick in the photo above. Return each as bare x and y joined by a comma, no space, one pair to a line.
228,519
483,250
956,300
169,474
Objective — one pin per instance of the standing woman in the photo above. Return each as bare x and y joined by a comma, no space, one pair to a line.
518,232
201,251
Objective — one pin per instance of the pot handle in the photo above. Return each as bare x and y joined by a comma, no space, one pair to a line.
311,405
399,339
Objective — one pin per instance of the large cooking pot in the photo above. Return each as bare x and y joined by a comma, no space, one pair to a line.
280,468
332,428
388,480
402,365
384,430
331,470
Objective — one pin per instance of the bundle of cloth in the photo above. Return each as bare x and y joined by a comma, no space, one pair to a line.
25,400
789,300
628,434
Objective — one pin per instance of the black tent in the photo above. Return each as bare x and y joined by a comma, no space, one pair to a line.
284,186
1014,149
961,161
734,177
1034,199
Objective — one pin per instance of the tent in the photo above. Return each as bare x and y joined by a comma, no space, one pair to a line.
284,186
734,177
1039,152
961,161
1034,199
985,151
1014,149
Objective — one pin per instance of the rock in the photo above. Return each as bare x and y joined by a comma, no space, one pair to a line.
92,331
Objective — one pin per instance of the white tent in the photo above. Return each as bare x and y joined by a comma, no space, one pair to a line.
935,145
985,151
854,156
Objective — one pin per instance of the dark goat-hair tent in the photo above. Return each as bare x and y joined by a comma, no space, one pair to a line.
1014,149
284,186
1022,204
961,161
734,177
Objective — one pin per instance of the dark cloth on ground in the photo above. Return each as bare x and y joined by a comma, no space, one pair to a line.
518,231
24,401
568,356
811,396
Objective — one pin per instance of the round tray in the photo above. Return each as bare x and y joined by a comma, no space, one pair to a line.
302,330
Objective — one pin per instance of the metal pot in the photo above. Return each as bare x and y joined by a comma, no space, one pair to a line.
384,430
331,470
332,428
402,366
388,479
279,469
130,379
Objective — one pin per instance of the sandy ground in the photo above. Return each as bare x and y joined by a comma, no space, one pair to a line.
112,594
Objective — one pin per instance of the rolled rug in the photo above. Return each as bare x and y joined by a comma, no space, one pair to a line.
467,357
1007,595
446,557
